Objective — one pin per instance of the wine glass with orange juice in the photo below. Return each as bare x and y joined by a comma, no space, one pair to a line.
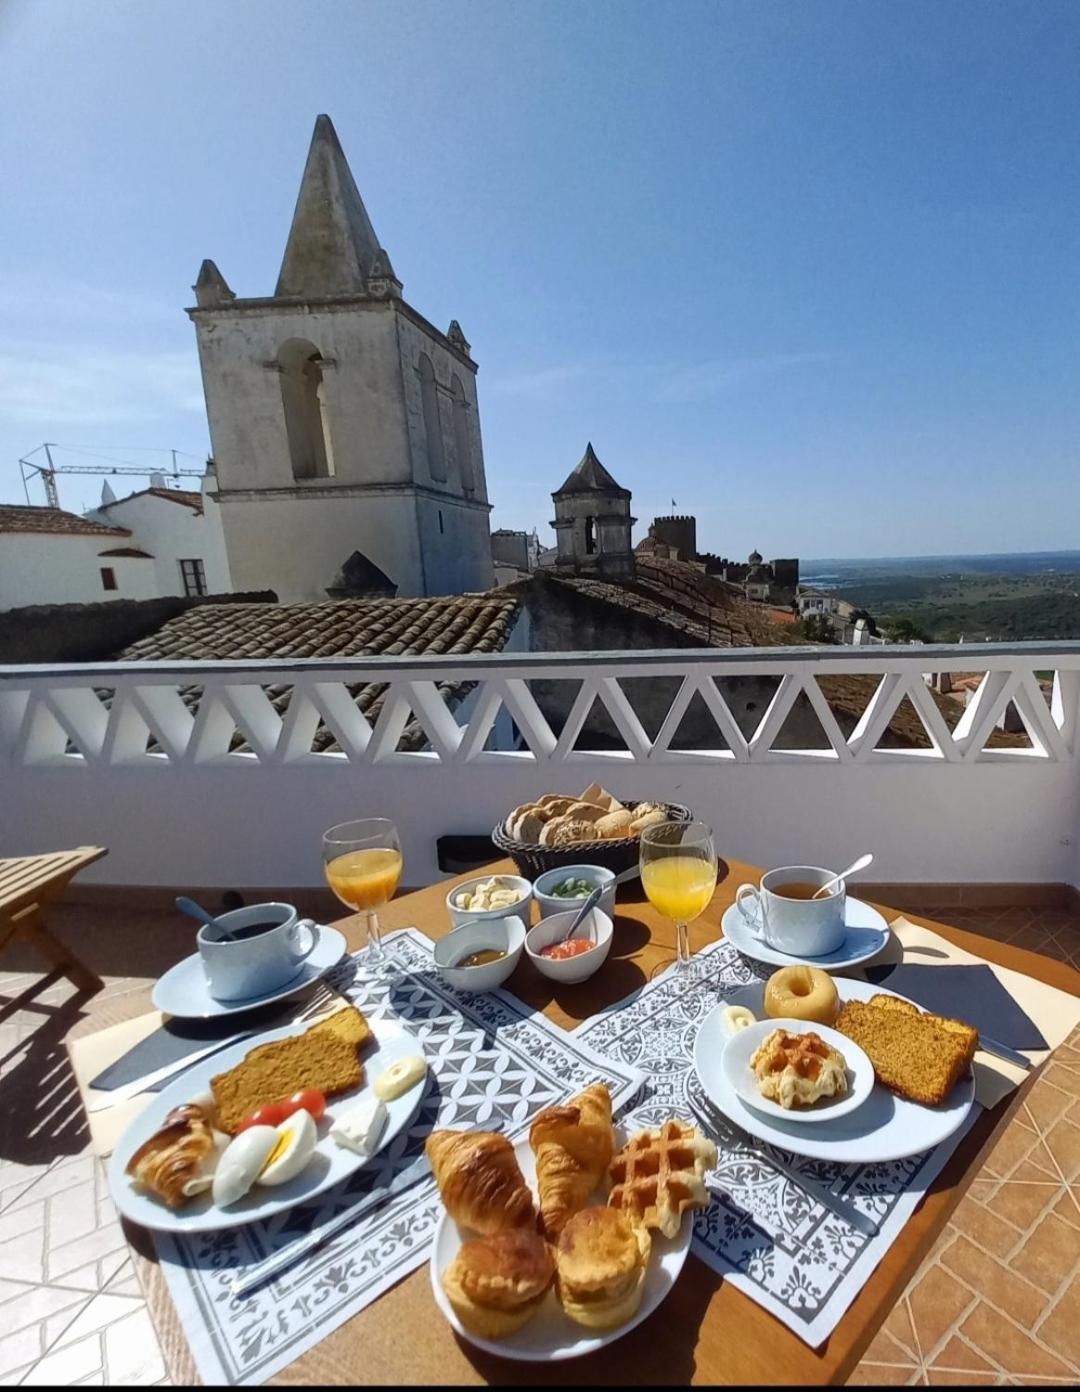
678,873
362,864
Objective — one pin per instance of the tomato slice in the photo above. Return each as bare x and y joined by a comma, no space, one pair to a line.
271,1114
307,1100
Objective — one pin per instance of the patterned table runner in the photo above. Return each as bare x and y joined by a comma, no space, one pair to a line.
764,1235
494,1063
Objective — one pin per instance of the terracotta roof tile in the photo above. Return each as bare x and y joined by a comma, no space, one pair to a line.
335,628
15,517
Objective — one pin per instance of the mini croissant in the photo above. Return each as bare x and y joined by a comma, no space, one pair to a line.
479,1180
573,1144
174,1155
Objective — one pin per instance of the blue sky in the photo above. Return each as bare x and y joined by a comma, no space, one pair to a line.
811,270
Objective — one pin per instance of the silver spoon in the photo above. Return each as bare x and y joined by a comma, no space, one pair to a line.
207,919
853,869
583,913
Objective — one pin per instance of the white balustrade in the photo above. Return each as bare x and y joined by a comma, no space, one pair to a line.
218,773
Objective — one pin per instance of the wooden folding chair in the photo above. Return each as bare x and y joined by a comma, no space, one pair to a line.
26,884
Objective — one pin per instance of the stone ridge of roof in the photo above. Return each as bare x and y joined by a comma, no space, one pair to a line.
17,517
188,496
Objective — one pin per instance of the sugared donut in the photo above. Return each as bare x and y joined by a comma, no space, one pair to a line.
802,993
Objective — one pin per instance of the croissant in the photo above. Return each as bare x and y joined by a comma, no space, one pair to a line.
479,1180
174,1155
573,1144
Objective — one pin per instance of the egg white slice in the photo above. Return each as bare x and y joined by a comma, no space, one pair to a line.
297,1137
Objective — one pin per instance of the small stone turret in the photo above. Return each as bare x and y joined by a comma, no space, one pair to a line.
592,521
210,286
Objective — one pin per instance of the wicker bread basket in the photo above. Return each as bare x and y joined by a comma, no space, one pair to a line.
617,854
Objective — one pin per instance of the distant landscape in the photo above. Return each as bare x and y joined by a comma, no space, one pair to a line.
978,598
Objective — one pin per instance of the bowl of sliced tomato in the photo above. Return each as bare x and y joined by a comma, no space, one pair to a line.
577,959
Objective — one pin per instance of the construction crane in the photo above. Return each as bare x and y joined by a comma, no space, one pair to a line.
47,472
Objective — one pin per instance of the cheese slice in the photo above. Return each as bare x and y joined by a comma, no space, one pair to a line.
360,1127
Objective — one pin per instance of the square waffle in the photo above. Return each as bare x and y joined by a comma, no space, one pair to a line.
660,1173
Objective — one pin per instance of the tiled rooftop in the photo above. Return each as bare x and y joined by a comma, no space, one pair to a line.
14,517
189,497
336,628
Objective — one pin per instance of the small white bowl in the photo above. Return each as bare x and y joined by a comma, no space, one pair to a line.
569,970
518,909
594,874
739,1049
504,934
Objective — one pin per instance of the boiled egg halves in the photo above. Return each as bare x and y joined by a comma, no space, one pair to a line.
264,1155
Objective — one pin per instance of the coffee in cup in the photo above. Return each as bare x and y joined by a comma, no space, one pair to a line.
784,914
266,949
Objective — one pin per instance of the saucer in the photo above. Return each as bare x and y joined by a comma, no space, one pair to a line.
867,934
182,990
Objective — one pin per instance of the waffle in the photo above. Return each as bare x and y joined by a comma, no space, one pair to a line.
659,1174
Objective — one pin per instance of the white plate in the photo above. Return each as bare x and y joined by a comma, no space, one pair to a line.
741,1045
551,1335
885,1127
328,1166
182,990
867,934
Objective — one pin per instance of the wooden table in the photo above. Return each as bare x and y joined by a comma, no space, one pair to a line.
706,1331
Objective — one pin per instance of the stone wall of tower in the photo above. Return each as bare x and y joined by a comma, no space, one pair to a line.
679,532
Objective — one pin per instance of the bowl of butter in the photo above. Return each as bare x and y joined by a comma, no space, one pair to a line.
489,896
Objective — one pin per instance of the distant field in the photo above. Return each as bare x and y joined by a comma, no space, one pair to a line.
1000,598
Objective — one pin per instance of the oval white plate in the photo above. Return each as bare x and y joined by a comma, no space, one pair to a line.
741,1045
885,1127
551,1335
182,990
328,1166
867,934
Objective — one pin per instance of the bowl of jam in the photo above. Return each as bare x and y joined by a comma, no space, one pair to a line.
480,954
577,959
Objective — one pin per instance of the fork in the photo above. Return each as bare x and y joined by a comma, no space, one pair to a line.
716,1123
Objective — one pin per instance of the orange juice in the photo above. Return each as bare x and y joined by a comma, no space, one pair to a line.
679,886
365,879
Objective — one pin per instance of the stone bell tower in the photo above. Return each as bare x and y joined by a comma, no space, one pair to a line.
592,521
342,421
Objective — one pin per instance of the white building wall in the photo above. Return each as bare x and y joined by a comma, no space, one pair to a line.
65,568
172,532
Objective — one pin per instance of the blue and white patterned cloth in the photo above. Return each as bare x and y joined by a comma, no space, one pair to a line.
494,1063
762,1233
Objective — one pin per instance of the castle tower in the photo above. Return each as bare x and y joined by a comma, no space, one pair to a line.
679,532
592,521
342,421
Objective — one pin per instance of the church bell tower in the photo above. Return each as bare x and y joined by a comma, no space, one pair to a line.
341,420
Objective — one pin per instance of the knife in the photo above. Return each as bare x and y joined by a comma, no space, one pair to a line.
715,1121
159,1075
285,1256
1005,1051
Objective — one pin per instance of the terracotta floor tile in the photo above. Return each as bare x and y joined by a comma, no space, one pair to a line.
899,1326
1065,1078
884,1349
1060,1330
879,1375
956,1356
985,1227
937,1301
1014,1145
1008,1346
982,1190
940,1377
1020,1203
995,1283
1048,1255
1068,1206
1063,1143
1046,1104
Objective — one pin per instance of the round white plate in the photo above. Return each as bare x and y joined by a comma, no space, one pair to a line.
885,1127
741,1045
182,990
867,934
551,1335
329,1165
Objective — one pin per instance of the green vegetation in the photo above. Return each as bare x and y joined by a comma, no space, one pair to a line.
976,606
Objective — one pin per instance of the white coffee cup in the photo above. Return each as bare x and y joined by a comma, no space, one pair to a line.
799,927
244,968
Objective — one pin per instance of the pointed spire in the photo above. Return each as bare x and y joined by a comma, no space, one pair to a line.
107,495
210,286
590,476
332,246
456,337
381,279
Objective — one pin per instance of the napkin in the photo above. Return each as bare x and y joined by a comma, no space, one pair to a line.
969,993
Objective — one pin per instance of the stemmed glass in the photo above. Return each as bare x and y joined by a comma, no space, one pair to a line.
362,864
678,872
